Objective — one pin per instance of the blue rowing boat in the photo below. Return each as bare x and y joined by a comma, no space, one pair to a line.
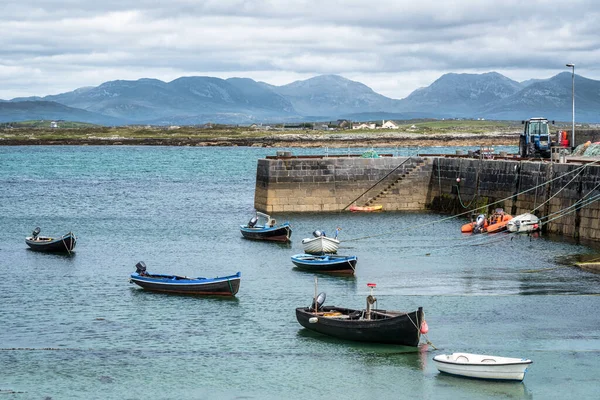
325,263
263,227
219,286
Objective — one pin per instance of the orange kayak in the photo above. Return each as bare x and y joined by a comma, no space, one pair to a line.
366,208
500,225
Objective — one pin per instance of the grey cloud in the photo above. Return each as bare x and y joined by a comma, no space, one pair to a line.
75,40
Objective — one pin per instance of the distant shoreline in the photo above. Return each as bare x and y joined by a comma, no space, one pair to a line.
386,139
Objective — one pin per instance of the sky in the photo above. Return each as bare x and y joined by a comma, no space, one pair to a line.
394,47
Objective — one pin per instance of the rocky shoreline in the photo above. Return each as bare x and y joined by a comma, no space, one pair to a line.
286,140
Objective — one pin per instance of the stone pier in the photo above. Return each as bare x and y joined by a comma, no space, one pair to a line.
445,184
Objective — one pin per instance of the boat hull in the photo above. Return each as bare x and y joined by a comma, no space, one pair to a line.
325,263
486,367
523,223
402,329
320,245
222,286
63,244
500,225
365,208
280,233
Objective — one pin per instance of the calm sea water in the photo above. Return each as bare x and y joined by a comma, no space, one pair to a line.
74,327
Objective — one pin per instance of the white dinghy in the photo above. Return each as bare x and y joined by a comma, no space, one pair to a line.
321,244
524,223
482,366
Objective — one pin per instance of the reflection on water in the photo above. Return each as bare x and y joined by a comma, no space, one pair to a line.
207,299
477,388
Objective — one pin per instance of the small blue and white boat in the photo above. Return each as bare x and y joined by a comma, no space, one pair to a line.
325,263
263,227
219,286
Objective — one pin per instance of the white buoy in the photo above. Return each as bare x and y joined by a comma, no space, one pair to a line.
313,320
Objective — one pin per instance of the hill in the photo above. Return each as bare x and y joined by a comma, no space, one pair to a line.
201,99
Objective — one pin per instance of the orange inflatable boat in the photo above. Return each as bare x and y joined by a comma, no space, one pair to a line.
498,222
468,228
495,223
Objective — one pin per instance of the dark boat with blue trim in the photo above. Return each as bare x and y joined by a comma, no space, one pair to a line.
368,325
62,244
325,263
219,286
263,227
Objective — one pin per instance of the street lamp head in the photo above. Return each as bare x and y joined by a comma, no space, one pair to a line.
571,65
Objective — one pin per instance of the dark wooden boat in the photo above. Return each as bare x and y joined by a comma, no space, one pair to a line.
268,230
325,263
62,244
219,286
369,325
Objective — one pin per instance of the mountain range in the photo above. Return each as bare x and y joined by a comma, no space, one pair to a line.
201,99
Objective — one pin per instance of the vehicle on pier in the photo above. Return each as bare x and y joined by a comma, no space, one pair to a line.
536,140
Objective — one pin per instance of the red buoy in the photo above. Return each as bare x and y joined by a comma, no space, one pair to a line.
424,327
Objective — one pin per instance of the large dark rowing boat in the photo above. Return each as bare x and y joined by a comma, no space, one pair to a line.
62,244
368,325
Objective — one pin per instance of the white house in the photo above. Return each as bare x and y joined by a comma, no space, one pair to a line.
389,125
53,124
363,125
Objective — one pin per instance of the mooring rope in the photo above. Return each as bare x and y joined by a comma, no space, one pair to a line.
65,244
596,197
560,190
472,210
419,330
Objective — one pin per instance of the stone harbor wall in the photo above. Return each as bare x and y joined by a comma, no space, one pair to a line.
568,194
290,184
446,184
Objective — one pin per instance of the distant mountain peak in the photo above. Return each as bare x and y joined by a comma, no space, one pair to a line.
197,99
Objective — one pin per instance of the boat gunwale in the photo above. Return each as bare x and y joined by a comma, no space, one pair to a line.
184,280
520,362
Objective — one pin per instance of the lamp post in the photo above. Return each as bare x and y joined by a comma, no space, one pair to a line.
572,66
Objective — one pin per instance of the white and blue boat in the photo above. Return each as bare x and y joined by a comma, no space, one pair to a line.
321,244
325,263
263,227
219,286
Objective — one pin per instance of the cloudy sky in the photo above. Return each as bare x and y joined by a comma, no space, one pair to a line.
394,47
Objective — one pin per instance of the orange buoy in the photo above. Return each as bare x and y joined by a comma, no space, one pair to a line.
424,327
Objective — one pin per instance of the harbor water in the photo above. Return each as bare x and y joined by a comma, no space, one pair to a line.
74,327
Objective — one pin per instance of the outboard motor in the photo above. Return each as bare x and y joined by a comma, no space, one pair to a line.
35,233
317,233
318,302
252,222
479,224
140,268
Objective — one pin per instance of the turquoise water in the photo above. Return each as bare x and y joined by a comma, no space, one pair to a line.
74,327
